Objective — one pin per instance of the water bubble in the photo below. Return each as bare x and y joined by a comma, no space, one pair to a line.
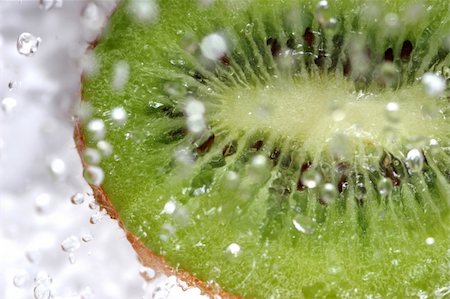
87,237
21,278
120,76
49,4
145,11
8,104
194,107
328,193
389,74
93,205
304,224
92,17
42,292
105,148
259,161
434,146
429,241
392,21
324,15
57,167
233,249
385,187
392,112
28,44
195,116
70,244
97,128
169,207
119,115
94,175
311,178
42,202
77,198
231,180
96,217
414,160
434,84
213,46
148,273
43,278
91,156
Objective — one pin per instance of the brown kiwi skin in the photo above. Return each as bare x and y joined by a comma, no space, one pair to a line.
146,257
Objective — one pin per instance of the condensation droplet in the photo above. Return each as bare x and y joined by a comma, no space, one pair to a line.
393,112
392,21
42,291
304,224
148,273
94,175
8,104
91,156
57,167
429,241
70,244
96,217
43,278
21,278
87,237
324,15
233,249
414,160
195,120
96,127
328,193
214,46
120,75
50,4
434,84
28,44
105,148
231,180
145,11
93,205
385,187
42,202
311,178
77,198
119,115
170,207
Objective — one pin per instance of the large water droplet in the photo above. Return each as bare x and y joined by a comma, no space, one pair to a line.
94,175
385,187
70,244
414,160
214,46
311,178
433,84
27,44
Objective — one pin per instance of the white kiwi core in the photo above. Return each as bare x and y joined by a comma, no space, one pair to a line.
315,111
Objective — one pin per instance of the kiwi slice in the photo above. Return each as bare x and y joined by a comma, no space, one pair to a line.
280,149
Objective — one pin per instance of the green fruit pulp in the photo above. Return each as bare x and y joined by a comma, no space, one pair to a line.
291,245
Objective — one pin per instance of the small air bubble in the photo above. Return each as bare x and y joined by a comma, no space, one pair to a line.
8,104
77,198
214,46
414,160
70,244
233,249
43,278
392,112
42,292
94,175
328,193
385,187
97,128
120,76
429,241
21,278
28,44
119,115
434,84
311,178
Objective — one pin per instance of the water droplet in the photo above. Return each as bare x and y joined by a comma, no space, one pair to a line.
70,244
49,4
33,256
96,217
441,293
120,76
93,205
214,46
92,18
43,278
87,237
384,187
304,224
328,193
259,161
8,104
77,198
94,175
389,74
392,112
87,293
119,115
429,241
27,44
167,231
96,127
434,146
324,15
434,84
72,259
311,178
91,156
42,292
169,207
105,148
195,116
147,272
414,160
392,21
42,202
57,167
21,278
145,11
337,114
233,249
231,180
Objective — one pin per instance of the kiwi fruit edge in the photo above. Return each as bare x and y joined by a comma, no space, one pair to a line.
272,46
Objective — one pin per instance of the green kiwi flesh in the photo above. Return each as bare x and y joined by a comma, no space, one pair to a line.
295,102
